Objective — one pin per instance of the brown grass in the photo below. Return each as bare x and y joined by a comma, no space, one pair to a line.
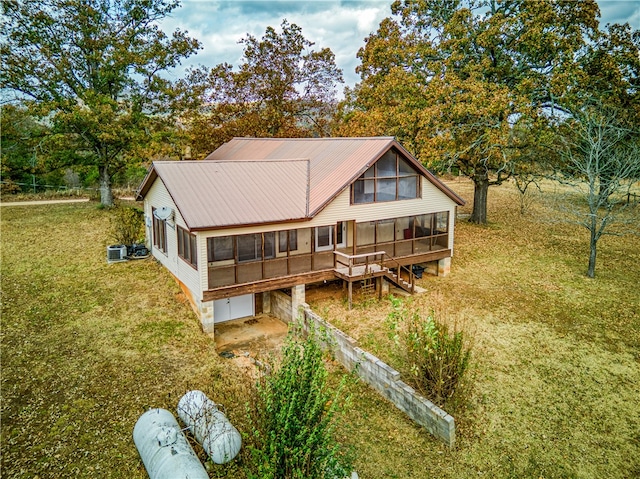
87,346
556,356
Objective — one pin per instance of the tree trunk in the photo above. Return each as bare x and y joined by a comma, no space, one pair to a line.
481,188
591,272
106,195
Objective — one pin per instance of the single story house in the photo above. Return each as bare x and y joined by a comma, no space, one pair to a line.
260,215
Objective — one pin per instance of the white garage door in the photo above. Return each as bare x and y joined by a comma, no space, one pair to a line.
233,308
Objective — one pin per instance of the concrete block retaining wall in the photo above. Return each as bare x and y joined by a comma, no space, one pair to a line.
280,306
379,375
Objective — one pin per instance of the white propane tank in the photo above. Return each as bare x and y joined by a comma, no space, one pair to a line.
211,428
164,450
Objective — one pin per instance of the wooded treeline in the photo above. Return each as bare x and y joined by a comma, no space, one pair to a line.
488,89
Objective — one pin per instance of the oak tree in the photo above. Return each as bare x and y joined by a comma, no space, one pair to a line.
92,70
464,84
283,88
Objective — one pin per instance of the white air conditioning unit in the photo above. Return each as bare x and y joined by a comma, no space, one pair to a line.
116,253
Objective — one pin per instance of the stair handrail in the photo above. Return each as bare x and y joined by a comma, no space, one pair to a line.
412,277
382,254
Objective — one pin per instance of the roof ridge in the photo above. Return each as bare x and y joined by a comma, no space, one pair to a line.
258,160
330,138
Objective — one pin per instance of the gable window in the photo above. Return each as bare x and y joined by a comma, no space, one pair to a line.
391,178
328,236
187,247
159,233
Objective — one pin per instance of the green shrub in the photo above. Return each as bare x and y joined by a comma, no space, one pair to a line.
127,225
294,418
438,355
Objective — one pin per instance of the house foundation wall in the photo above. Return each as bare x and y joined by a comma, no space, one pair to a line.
206,316
281,306
203,309
285,307
266,302
444,266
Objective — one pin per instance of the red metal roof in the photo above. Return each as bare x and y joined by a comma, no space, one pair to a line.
265,180
224,194
334,162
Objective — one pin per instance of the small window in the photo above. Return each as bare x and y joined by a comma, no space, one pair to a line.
220,248
323,237
187,246
249,247
341,235
269,245
328,236
159,233
287,238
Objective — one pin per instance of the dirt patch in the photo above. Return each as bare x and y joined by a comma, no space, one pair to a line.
258,335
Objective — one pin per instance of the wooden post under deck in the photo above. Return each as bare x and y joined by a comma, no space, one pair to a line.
350,294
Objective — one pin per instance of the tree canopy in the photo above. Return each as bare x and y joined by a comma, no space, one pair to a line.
283,88
92,70
20,144
463,84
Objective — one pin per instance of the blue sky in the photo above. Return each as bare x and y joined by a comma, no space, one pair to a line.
341,25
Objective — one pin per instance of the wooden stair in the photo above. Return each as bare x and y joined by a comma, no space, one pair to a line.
353,268
397,280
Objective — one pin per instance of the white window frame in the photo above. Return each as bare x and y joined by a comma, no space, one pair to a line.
332,229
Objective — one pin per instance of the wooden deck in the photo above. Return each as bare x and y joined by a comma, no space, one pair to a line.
349,268
360,272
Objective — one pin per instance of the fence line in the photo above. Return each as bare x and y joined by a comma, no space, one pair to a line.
51,187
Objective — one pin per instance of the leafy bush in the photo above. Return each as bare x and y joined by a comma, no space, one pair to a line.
127,225
294,418
438,355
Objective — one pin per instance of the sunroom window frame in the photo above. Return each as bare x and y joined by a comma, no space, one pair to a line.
367,180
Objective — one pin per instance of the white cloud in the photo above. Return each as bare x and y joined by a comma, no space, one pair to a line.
341,26
220,25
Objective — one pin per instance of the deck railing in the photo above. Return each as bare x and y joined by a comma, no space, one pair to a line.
349,260
223,275
377,258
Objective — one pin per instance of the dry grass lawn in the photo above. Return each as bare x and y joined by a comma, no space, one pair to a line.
87,347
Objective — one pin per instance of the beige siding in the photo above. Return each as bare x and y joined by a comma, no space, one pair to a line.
340,209
158,197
